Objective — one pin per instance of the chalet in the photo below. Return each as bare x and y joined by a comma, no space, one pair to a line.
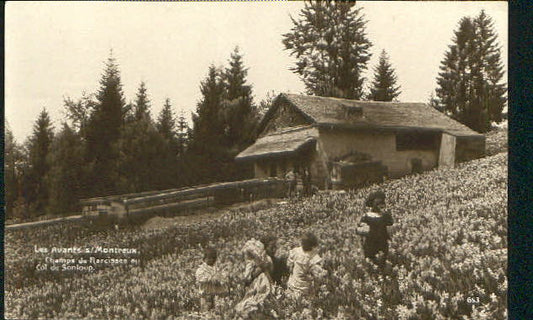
347,142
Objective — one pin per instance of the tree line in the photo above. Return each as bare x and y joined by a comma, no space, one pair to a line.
332,51
106,146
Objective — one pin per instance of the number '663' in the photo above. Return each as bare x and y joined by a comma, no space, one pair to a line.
472,300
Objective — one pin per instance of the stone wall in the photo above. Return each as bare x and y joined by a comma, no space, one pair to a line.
381,146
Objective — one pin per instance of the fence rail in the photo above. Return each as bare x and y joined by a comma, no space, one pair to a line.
42,222
183,199
171,200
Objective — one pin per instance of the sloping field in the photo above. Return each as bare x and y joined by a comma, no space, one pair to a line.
447,259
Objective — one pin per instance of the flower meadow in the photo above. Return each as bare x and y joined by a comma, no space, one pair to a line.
447,259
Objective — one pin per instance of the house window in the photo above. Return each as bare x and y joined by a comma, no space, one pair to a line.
416,141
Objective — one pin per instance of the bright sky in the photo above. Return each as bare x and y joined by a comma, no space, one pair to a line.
58,49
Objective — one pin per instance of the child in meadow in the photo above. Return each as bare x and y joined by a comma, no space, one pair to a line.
305,265
208,279
373,228
279,271
257,280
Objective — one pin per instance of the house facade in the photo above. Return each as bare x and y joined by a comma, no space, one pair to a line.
337,140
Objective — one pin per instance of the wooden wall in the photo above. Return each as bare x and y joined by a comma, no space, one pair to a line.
285,116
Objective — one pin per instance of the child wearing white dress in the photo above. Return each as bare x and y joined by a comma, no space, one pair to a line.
305,265
209,280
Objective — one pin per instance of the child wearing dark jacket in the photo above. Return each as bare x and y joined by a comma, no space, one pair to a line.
373,228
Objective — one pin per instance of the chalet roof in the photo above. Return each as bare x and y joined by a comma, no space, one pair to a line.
327,111
281,143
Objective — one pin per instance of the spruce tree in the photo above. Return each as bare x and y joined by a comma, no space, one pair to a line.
208,122
143,150
240,111
103,131
329,41
384,85
207,152
170,166
38,148
489,86
141,156
68,173
470,87
166,122
184,133
142,103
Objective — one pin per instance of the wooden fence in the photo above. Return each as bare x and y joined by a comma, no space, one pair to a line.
185,199
173,201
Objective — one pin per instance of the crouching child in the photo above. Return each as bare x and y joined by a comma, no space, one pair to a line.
257,280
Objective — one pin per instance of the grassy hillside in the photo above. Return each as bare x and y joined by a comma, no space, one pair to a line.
448,248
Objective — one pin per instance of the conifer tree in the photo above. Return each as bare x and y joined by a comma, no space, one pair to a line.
240,111
170,170
103,131
141,156
143,150
208,123
184,133
384,85
329,41
36,191
489,85
470,87
68,174
142,103
207,152
166,122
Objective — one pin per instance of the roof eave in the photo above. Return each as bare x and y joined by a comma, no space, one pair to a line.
310,143
366,126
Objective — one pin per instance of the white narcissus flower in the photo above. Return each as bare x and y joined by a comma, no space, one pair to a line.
451,214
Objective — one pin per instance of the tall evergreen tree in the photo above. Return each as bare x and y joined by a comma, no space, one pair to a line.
170,167
36,191
143,150
184,133
207,150
470,87
166,122
239,109
208,123
489,85
103,131
68,174
141,156
384,85
142,103
332,48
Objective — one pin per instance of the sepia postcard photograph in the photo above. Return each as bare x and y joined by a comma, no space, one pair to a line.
256,160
